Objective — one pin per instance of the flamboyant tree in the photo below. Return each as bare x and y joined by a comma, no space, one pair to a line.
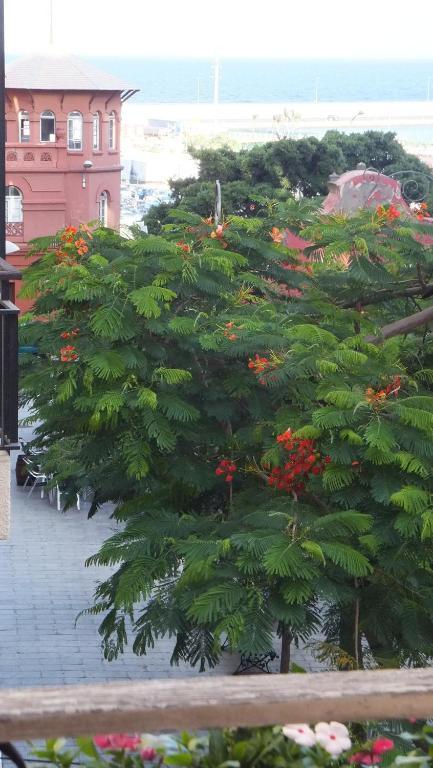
263,421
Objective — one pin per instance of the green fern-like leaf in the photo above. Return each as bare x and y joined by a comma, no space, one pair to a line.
411,499
353,562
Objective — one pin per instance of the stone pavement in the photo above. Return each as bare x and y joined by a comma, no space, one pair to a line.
44,585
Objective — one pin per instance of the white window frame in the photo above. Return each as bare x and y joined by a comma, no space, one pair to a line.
23,129
47,114
103,209
75,131
13,205
112,131
96,132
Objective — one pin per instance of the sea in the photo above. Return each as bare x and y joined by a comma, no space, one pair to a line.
274,80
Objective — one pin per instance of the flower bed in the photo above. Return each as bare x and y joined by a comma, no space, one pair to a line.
298,744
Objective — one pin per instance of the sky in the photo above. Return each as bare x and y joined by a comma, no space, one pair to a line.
366,29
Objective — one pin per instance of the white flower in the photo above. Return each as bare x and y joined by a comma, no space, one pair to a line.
333,737
300,733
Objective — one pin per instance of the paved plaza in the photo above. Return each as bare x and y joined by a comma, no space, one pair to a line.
44,585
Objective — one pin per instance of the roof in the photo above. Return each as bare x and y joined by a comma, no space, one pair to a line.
54,72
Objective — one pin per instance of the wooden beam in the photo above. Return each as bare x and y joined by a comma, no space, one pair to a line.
158,705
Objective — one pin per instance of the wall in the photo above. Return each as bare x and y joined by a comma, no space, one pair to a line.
5,487
57,190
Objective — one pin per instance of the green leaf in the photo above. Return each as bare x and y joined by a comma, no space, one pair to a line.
146,299
353,562
107,365
411,499
379,435
172,375
334,477
343,398
147,398
182,758
315,550
427,526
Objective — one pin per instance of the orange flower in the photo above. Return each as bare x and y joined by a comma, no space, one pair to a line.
388,214
184,246
68,354
276,235
219,231
68,234
81,246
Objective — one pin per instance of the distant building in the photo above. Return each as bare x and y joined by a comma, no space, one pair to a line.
62,147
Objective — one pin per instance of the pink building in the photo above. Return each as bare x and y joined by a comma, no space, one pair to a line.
62,147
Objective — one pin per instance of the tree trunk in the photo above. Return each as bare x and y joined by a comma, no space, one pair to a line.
286,639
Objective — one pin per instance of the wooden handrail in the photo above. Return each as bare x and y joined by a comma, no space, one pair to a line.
159,705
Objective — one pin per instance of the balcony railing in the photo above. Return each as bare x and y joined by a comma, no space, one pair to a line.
212,702
14,229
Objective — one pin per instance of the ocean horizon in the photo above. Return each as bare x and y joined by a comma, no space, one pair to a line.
273,80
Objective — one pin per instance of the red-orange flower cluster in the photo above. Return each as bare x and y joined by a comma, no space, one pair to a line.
70,334
388,214
68,234
229,335
183,246
68,354
81,246
422,212
276,235
304,460
372,396
260,364
227,468
218,232
73,245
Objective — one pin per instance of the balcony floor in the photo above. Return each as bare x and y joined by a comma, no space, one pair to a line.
43,586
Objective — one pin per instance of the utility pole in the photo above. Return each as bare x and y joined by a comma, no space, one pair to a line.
316,91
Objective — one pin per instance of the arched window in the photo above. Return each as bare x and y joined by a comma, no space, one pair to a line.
103,209
48,126
96,131
14,205
112,130
23,127
75,131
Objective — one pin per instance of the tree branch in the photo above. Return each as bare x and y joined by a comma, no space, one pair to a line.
402,326
422,292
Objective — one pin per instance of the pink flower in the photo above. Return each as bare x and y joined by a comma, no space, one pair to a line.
102,740
148,754
117,741
365,758
374,755
300,733
382,745
333,737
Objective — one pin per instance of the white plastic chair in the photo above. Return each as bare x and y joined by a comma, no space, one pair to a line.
39,478
58,498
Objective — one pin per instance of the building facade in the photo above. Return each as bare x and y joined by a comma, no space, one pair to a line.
62,148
